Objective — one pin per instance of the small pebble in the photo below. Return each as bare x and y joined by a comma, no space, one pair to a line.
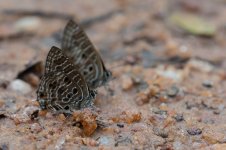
161,132
199,65
28,24
158,111
3,83
36,128
34,115
207,84
194,131
122,140
212,136
170,73
172,91
60,142
2,102
62,117
142,98
127,82
163,106
2,115
219,109
120,125
89,142
31,111
105,140
179,117
130,60
20,86
177,145
138,127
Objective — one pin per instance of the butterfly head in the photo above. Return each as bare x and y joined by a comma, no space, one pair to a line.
42,104
41,98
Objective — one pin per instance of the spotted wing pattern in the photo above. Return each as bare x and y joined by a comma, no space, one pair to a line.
78,47
62,87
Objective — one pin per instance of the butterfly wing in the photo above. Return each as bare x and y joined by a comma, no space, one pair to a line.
79,48
62,88
57,60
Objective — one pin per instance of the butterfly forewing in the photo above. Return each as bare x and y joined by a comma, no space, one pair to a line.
62,87
79,48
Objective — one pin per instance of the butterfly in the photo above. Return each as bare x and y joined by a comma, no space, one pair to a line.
63,87
82,52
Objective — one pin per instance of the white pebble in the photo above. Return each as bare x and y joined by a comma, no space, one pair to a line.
105,140
28,24
20,86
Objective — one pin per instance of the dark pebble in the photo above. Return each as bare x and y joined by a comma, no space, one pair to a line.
123,141
160,112
34,115
194,131
4,84
173,91
161,132
4,147
207,84
77,124
120,125
179,117
2,115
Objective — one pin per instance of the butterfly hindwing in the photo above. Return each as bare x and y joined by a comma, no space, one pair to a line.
57,60
62,87
79,48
